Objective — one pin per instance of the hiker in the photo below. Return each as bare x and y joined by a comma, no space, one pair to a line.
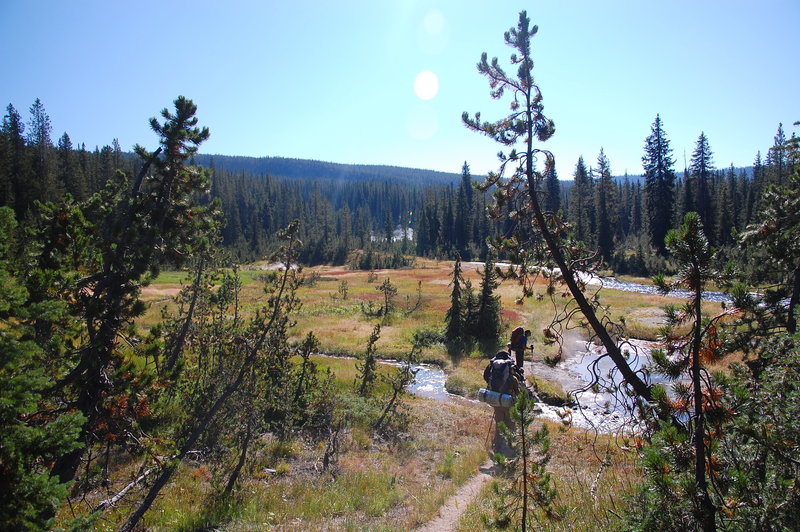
519,343
501,376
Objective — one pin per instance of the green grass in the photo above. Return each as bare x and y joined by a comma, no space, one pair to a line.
550,392
379,486
345,372
371,493
466,377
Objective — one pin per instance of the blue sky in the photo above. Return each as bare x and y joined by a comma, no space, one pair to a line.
334,80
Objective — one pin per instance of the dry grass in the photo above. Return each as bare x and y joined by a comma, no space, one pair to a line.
466,377
592,474
379,486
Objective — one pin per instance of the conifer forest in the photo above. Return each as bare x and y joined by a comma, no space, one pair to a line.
168,319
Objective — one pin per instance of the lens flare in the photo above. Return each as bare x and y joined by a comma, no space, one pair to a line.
426,85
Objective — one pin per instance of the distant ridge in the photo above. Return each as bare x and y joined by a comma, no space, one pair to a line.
320,170
311,169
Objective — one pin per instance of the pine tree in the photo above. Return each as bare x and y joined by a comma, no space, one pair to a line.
580,204
684,192
466,184
553,191
777,231
777,167
69,176
388,228
690,353
488,324
637,202
17,165
455,330
604,207
726,209
29,437
6,182
524,125
659,184
39,139
345,236
138,228
462,222
368,368
701,166
529,487
470,216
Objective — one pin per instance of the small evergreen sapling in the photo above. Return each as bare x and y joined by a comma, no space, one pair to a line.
525,492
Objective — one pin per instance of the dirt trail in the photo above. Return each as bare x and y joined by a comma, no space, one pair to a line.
451,511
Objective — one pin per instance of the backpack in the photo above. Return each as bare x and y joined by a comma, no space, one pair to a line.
516,337
499,376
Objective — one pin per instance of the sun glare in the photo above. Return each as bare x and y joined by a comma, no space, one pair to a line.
426,85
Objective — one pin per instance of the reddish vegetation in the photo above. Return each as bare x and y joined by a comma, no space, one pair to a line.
512,316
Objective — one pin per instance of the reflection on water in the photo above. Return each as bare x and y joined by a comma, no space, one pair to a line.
428,382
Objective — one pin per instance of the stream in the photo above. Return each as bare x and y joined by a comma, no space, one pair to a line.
593,410
615,284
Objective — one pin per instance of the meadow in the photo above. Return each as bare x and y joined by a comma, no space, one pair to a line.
400,484
340,322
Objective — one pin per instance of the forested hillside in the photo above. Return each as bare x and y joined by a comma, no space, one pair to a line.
320,170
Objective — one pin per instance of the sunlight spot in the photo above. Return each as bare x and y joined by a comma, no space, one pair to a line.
426,85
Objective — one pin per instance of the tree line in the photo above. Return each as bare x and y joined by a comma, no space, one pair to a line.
394,213
626,219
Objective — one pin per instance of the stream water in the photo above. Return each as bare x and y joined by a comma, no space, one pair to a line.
428,382
615,284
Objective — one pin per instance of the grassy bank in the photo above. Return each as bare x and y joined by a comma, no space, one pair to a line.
336,305
341,323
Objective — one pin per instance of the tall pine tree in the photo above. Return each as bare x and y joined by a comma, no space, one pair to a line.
522,127
701,167
659,185
580,203
604,207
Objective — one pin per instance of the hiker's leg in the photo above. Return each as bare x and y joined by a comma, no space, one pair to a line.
520,356
500,444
